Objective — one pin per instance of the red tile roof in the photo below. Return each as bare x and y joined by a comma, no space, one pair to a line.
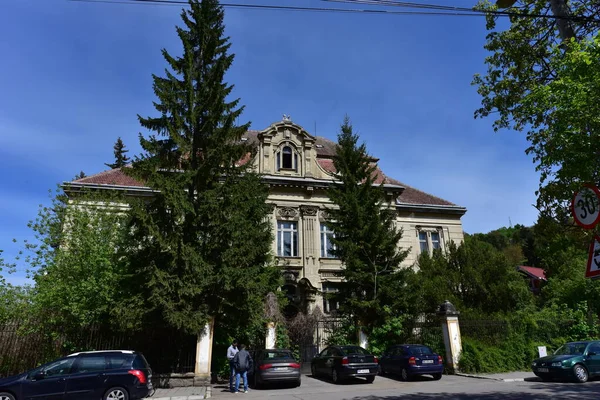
325,150
534,272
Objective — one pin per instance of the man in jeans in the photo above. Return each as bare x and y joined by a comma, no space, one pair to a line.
231,352
242,363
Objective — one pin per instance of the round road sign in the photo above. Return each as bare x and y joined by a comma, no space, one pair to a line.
586,207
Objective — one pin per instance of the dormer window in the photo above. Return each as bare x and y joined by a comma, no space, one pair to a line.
287,158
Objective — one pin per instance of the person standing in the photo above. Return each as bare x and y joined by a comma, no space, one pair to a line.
242,363
231,352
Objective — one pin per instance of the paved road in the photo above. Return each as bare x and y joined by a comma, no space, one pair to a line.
449,387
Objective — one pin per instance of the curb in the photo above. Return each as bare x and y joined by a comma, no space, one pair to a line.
491,378
208,393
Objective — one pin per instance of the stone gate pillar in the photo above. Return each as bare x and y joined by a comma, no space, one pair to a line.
451,333
204,354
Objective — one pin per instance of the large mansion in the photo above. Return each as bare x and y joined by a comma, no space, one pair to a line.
298,168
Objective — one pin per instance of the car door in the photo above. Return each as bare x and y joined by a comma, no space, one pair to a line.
593,358
386,357
334,360
394,360
322,360
49,381
87,378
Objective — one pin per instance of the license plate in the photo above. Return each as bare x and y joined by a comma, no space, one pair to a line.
363,371
427,361
542,369
279,368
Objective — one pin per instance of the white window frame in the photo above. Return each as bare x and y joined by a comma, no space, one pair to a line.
328,287
293,230
326,234
430,242
279,158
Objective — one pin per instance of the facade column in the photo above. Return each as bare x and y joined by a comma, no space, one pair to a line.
204,354
451,332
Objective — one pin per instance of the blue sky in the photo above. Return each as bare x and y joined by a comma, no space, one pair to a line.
75,75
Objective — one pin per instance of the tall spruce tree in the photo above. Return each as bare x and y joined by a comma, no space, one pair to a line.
366,238
203,241
121,158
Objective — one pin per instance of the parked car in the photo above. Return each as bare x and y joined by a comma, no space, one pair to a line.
408,360
94,375
274,365
342,362
574,360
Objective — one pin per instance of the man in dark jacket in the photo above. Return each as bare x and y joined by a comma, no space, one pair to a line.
242,363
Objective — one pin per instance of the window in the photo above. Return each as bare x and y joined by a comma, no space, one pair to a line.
56,368
118,361
287,239
429,239
329,304
90,364
327,247
423,242
287,158
435,240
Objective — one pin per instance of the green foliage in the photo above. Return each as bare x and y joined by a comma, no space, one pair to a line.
387,334
282,339
202,243
366,238
473,275
120,152
544,81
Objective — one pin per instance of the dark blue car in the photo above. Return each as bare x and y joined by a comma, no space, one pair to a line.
408,360
107,375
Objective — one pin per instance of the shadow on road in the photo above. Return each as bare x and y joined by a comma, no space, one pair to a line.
347,381
539,391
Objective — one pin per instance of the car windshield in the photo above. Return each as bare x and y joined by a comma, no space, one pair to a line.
420,350
270,355
571,349
354,350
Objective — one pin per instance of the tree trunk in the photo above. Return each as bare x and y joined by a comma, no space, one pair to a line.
561,9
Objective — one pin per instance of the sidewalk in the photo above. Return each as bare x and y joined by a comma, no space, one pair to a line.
183,393
518,376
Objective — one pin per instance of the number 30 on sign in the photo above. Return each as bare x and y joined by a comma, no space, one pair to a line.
586,207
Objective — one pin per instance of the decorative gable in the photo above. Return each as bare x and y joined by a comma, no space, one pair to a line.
287,149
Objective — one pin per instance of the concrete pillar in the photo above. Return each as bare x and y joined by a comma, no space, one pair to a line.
270,340
451,332
363,339
204,354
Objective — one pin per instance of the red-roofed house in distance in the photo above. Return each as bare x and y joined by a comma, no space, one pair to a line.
535,276
298,168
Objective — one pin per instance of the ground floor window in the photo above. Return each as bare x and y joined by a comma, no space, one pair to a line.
329,305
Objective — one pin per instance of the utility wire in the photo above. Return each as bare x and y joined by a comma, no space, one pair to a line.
436,10
404,4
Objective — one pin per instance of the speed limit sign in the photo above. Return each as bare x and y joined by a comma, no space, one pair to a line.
586,207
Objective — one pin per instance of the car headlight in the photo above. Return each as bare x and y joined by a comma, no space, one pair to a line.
534,364
557,364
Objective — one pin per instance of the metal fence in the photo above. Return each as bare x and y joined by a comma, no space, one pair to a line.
165,349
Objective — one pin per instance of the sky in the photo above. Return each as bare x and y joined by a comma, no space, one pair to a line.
75,75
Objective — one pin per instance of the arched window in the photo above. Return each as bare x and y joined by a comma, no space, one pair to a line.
287,158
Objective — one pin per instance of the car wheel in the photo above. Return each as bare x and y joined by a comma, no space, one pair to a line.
437,377
116,393
298,383
334,376
6,396
405,375
382,371
370,379
313,371
581,374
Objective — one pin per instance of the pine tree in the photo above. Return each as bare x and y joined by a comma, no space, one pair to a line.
204,239
366,238
121,158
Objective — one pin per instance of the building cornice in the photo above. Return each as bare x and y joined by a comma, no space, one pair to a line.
431,208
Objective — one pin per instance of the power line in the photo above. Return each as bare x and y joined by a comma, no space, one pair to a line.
404,4
274,7
437,10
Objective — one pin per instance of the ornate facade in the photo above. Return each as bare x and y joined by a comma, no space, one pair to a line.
298,168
